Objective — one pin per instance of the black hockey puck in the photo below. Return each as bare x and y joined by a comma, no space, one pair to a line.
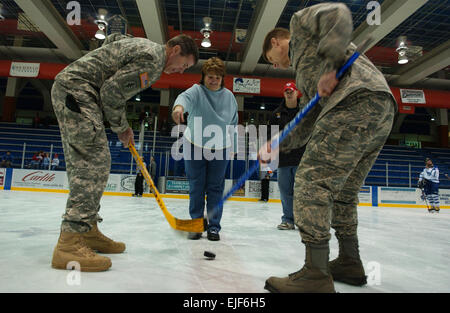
209,255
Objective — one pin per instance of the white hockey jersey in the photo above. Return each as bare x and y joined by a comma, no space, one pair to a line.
430,174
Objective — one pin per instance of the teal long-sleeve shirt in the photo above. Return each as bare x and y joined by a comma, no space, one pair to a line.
212,115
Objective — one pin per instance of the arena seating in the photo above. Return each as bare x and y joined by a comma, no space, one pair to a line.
398,160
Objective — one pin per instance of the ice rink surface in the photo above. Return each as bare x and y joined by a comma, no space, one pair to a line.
403,249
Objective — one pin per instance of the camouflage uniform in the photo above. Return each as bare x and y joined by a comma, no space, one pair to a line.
90,89
344,132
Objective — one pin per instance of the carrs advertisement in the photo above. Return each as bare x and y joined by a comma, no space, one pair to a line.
37,179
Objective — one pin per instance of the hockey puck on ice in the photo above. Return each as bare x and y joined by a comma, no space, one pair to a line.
209,255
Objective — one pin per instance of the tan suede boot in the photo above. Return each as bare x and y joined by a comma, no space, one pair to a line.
312,278
99,242
71,247
347,267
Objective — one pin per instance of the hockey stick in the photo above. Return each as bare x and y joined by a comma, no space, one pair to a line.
424,196
288,128
197,225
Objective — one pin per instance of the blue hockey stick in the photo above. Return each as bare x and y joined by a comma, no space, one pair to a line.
288,128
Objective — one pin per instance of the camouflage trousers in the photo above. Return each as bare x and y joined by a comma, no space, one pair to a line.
343,147
87,158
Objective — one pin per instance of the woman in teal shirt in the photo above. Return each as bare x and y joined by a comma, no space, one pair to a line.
211,109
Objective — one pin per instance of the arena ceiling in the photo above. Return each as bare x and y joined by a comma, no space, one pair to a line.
37,30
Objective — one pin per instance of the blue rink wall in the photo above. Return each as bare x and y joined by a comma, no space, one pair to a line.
176,187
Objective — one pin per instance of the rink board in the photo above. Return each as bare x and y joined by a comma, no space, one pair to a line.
123,185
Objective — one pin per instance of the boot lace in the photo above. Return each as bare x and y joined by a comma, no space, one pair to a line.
84,248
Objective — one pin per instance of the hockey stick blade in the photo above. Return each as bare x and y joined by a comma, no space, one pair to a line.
196,225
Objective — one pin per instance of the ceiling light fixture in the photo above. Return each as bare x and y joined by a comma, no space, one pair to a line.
402,48
206,32
101,23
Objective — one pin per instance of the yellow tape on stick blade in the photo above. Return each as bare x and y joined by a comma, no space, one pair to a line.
197,225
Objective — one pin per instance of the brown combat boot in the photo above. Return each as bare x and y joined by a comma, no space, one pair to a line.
314,277
347,267
71,247
99,242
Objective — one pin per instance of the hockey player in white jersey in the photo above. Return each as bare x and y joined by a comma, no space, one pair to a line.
429,182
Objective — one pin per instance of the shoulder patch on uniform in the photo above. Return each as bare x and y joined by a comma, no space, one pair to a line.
278,114
144,80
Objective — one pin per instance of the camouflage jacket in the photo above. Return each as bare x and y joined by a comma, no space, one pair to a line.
320,43
110,75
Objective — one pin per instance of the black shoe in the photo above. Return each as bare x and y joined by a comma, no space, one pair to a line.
195,236
213,235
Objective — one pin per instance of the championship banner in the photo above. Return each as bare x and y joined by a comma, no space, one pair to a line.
246,85
240,35
412,96
22,69
117,24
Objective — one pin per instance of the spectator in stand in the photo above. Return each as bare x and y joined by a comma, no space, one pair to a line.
45,162
40,158
35,161
55,162
7,160
152,168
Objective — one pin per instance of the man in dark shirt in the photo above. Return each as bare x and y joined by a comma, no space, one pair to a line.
288,161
